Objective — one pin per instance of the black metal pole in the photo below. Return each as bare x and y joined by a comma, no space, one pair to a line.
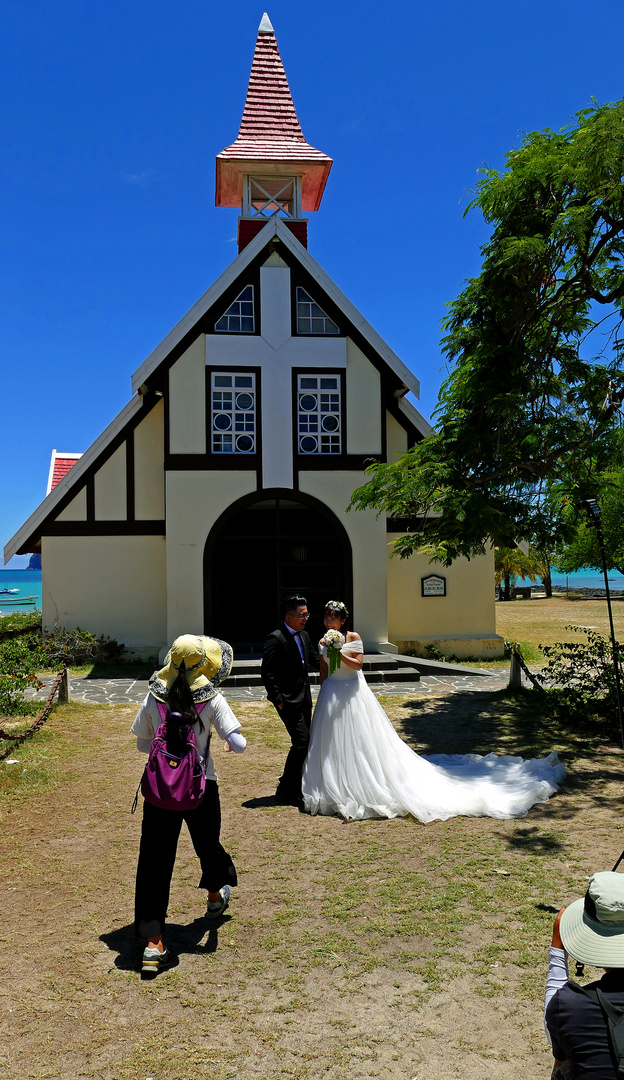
593,509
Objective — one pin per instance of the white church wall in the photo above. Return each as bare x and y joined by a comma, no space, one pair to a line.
110,488
187,400
195,500
149,476
76,510
396,438
275,300
462,623
363,403
106,584
368,543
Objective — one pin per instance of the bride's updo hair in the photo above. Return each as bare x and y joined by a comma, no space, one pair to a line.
336,608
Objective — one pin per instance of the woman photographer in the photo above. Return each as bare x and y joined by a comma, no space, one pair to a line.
582,1021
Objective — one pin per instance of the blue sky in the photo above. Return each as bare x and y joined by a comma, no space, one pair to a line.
113,113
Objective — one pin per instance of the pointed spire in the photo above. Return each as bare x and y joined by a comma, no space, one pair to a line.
270,133
265,25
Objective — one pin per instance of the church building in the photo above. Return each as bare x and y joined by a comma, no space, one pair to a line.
222,486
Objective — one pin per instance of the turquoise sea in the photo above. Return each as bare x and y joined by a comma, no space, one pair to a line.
589,579
29,584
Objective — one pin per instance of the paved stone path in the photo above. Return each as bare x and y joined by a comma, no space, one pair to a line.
127,691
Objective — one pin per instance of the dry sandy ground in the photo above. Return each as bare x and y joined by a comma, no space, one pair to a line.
381,949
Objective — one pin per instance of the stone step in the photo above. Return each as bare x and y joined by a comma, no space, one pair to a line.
397,674
372,662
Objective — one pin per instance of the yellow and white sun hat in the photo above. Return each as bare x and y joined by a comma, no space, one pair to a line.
205,662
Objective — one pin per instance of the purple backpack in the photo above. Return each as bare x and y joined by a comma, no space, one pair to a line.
169,780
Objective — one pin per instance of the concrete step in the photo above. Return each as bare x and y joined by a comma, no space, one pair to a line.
400,673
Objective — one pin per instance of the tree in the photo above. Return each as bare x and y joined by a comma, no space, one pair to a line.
535,352
582,549
511,563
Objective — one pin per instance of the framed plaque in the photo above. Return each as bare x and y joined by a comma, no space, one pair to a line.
433,585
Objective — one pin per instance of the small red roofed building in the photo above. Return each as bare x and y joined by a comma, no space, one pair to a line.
222,486
60,464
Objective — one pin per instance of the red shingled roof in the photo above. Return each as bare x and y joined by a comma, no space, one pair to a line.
270,131
60,464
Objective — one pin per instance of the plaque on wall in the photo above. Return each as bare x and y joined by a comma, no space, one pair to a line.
433,585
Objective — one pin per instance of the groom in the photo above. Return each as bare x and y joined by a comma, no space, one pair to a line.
287,658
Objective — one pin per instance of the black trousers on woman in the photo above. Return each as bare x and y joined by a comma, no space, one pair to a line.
160,832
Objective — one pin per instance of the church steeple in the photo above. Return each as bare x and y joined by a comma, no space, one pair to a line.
270,168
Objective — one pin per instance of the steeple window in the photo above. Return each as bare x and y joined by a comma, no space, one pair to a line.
311,319
266,196
233,413
239,317
318,414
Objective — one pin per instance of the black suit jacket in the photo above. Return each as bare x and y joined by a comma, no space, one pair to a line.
283,674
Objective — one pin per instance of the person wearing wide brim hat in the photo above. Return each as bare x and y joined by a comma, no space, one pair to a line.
205,662
184,693
591,930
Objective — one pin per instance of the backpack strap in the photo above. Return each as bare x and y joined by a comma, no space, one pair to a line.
614,1015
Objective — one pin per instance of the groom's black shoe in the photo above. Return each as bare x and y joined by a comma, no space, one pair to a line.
287,798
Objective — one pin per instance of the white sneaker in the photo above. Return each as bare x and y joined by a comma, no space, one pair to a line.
217,907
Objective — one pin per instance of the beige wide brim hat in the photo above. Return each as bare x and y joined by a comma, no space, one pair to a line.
205,661
592,929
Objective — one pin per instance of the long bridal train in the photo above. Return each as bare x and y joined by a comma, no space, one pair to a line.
359,767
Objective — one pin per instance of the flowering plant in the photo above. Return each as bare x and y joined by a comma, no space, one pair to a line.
334,641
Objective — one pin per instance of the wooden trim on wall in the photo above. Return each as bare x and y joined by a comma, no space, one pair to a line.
106,528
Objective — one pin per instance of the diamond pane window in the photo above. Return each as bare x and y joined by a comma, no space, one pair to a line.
318,414
311,319
239,317
233,413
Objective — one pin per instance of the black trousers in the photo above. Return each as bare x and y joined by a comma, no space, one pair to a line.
296,720
160,832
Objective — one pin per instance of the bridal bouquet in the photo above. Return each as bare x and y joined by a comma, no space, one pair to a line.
334,641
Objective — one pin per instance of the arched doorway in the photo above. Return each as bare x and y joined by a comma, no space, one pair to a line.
263,549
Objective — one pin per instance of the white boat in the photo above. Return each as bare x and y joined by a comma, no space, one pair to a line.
12,592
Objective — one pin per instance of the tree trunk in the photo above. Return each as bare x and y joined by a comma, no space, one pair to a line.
507,589
547,583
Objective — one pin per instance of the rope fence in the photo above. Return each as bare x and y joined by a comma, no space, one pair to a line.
60,686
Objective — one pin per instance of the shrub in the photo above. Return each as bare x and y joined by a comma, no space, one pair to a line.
61,648
20,621
584,672
18,663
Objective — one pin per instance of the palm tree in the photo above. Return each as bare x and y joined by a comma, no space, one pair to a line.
511,563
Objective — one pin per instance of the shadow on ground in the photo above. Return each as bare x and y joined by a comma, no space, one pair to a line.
179,938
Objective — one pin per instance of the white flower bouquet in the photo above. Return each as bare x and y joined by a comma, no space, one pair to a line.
334,641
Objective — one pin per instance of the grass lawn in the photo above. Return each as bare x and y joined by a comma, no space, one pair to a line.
542,621
350,951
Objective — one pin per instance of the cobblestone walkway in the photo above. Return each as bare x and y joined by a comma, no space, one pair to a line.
127,691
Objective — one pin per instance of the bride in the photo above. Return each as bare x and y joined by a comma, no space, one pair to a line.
359,767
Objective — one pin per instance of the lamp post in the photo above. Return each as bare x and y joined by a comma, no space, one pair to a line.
593,509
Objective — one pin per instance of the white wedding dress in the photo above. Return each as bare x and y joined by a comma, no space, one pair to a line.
359,767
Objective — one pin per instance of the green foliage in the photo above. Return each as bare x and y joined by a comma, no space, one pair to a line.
20,620
532,393
18,664
582,548
584,673
511,563
62,648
